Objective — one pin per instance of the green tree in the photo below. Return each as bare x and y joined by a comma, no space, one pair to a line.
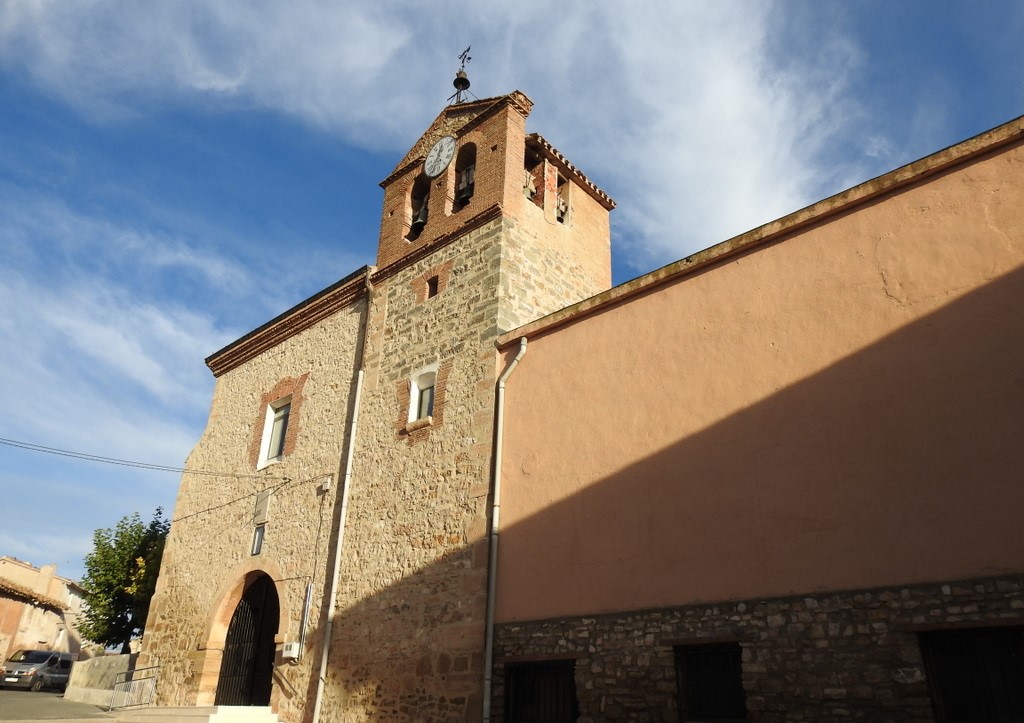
120,578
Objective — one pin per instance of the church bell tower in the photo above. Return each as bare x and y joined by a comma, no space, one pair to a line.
484,228
475,165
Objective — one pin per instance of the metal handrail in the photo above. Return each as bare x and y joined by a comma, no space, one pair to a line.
135,690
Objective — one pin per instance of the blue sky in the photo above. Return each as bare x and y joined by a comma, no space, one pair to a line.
172,175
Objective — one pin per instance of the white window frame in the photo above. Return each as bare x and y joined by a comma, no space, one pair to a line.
420,382
259,534
272,446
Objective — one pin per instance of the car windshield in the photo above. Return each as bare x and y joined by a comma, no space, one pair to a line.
31,656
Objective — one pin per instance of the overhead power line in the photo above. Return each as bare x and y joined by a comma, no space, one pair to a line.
121,462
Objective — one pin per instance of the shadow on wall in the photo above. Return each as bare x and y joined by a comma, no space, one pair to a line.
413,648
900,463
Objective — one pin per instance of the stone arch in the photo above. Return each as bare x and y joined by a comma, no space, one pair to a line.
225,602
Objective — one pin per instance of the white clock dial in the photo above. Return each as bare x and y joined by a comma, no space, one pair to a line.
439,156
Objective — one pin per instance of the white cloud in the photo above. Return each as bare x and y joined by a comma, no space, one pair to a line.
97,373
99,354
682,108
33,220
44,547
687,113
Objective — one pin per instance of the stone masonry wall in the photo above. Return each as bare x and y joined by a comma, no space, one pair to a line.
207,556
410,625
409,637
820,657
543,274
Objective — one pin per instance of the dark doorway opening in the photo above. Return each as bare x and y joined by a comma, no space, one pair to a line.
247,668
975,674
710,682
541,692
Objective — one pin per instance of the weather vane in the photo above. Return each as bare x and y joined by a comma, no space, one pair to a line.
461,81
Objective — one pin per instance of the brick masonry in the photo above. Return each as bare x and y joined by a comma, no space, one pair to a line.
821,657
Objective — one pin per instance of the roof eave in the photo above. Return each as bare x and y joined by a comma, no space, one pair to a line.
906,175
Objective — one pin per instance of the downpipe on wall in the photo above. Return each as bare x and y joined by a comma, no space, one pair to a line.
492,569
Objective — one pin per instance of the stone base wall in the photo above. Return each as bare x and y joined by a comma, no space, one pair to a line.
820,657
92,681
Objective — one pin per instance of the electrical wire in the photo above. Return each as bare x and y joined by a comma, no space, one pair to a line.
283,481
124,462
240,498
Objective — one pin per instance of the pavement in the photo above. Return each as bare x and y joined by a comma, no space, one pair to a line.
22,706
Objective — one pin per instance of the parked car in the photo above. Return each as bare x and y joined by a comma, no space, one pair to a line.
36,669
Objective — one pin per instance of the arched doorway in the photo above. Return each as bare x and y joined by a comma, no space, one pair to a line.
247,666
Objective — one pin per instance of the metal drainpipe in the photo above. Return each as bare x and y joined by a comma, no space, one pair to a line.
492,570
345,484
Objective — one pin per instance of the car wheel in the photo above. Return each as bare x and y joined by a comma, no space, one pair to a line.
37,685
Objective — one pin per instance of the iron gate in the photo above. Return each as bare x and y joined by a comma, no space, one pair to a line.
247,668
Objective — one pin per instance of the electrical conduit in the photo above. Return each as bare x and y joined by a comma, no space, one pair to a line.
345,485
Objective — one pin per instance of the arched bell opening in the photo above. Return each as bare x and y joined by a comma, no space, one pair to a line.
533,177
465,176
419,200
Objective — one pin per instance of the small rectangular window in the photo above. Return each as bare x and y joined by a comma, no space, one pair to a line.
425,406
421,395
975,675
278,431
261,513
710,679
541,692
275,432
257,539
432,287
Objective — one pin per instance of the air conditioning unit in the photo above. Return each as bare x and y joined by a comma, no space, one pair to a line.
290,651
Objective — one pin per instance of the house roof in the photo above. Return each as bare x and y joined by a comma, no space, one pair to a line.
290,322
13,589
540,146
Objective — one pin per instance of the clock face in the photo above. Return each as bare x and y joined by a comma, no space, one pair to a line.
439,156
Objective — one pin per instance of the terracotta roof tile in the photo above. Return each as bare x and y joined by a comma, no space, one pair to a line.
15,590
